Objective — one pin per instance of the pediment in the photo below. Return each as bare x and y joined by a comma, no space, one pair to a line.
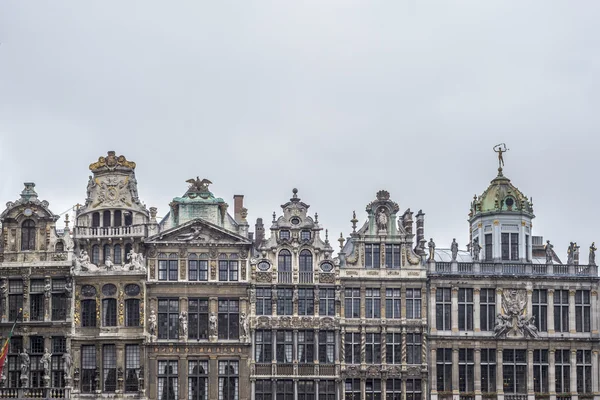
198,231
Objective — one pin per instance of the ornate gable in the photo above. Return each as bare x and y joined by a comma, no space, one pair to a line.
198,232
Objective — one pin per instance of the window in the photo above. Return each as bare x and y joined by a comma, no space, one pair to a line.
413,348
527,258
373,389
263,301
118,258
465,309
514,364
487,309
540,371
327,301
305,235
95,254
488,370
488,247
109,364
443,307
327,390
128,219
197,380
167,267
228,267
582,311
285,267
413,389
229,319
59,300
198,267
392,256
373,351
36,300
352,389
132,367
326,347
88,313
352,348
106,218
284,346
28,235
168,318
264,346
88,368
466,370
392,303
306,347
105,253
372,259
15,346
562,370
15,299
352,303
561,310
510,246
413,303
284,389
168,384
393,346
285,301
306,266
584,371
393,390
132,312
373,303
540,309
228,380
95,220
59,347
198,319
306,301
284,235
444,369
263,389
109,312
306,390
36,350
118,218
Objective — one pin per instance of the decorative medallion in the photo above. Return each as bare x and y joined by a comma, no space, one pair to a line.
132,289
264,265
88,291
109,289
326,267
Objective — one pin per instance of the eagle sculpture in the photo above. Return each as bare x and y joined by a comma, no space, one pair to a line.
197,185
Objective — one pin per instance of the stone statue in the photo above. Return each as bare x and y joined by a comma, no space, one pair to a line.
382,220
212,325
183,325
152,323
109,264
132,186
431,245
82,263
197,185
454,249
194,235
514,303
570,253
24,357
66,358
295,295
46,362
3,378
548,249
90,186
244,324
4,288
592,260
136,261
476,249
252,294
503,325
69,287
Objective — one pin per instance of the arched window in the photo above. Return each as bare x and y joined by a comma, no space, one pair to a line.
95,220
118,256
106,252
28,235
128,219
306,266
59,247
285,261
95,254
106,218
118,219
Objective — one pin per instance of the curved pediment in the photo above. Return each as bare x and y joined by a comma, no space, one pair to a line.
198,232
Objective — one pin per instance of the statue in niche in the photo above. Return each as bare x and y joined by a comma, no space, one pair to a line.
431,245
66,358
592,259
476,249
46,361
82,263
25,362
382,219
212,325
132,186
244,325
548,250
454,249
183,325
152,323
109,263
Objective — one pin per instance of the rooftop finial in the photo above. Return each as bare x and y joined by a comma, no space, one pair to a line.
354,221
67,222
341,240
274,217
500,148
316,218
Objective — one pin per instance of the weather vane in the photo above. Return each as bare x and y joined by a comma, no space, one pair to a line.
500,148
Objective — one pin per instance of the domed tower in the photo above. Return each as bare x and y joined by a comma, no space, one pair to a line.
500,221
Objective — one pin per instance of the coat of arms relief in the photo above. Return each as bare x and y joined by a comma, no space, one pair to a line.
514,322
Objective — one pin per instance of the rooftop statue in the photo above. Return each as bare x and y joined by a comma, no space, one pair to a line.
476,249
548,249
592,260
197,185
454,249
500,149
431,249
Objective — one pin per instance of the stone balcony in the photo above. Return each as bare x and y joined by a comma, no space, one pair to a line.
35,393
86,232
511,269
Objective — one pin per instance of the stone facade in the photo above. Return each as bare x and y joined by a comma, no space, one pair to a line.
197,307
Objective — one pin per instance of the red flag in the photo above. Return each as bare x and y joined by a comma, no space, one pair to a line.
5,346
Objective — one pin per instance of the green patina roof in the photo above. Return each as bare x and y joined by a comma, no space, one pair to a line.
199,198
501,195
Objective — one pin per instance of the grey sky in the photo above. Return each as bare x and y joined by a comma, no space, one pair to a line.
339,99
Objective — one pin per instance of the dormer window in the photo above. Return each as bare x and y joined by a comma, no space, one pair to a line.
372,259
28,235
392,256
284,235
305,235
510,246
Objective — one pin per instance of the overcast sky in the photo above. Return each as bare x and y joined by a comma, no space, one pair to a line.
339,99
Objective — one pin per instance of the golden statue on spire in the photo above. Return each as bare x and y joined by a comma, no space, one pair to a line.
500,149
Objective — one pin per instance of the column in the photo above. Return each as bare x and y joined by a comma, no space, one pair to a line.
595,371
338,342
383,346
183,374
454,310
530,302
551,374
433,373
382,306
455,388
295,389
498,299
403,302
403,347
594,310
295,346
316,351
363,313
477,309
551,311
499,375
432,310
574,375
530,392
572,328
477,382
363,345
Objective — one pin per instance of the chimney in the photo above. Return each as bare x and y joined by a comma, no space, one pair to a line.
259,231
238,204
420,245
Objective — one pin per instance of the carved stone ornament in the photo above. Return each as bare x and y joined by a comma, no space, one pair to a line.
243,254
327,323
326,278
264,277
213,252
263,322
352,371
513,323
111,161
373,372
414,371
152,252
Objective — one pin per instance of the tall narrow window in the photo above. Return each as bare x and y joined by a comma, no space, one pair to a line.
562,370
487,309
372,259
373,354
393,345
326,301
561,310
198,267
352,348
584,371
285,301
327,390
444,369
263,301
527,258
284,389
284,266
285,345
118,259
413,303
59,300
373,303
466,371
110,367
229,380
306,266
229,319
167,267
228,267
582,311
105,252
132,367
373,389
263,390
352,303
36,350
488,247
88,313
465,309
118,219
392,256
128,219
95,219
95,254
132,312
392,303
106,218
540,371
540,309
15,347
306,301
326,347
109,312
510,246
198,380
443,306
488,370
198,319
263,346
168,318
352,389
28,235
168,385
514,364
15,299
306,347
88,369
413,389
306,390
36,300
413,348
393,389
59,347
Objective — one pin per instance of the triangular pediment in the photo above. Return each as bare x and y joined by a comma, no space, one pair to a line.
197,231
